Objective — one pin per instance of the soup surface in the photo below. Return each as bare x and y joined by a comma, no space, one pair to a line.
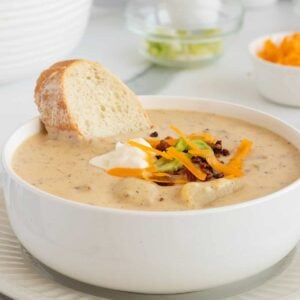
61,167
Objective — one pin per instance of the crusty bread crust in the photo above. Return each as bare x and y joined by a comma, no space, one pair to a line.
52,103
50,99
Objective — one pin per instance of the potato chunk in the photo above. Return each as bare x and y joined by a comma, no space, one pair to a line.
198,194
136,191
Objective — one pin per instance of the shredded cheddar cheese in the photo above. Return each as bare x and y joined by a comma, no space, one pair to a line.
187,163
149,149
206,137
153,142
287,52
128,172
234,167
240,154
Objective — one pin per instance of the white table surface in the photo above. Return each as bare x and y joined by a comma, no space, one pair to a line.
229,78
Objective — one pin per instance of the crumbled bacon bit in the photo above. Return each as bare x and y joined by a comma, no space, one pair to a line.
225,152
190,176
218,145
196,159
209,177
204,165
218,175
218,149
207,171
154,134
162,146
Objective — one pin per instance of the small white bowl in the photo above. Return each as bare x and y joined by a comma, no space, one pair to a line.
276,82
156,252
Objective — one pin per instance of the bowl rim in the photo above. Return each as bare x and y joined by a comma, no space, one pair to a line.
260,40
188,39
135,25
149,213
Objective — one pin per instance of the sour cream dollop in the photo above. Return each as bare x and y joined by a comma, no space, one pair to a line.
123,156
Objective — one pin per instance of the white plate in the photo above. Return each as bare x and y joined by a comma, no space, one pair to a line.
23,277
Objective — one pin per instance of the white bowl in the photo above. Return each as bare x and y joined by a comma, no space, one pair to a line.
155,252
35,34
276,82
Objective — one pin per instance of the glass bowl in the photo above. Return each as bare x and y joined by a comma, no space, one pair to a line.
183,33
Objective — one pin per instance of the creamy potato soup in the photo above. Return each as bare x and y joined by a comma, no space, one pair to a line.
63,168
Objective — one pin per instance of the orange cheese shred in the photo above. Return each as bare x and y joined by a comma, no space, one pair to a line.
186,162
199,152
161,174
153,142
143,174
206,137
234,167
224,168
240,154
171,141
127,172
149,149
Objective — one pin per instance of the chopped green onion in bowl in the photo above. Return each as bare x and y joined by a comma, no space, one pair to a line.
181,46
184,33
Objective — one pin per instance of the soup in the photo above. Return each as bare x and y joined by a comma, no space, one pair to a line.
61,167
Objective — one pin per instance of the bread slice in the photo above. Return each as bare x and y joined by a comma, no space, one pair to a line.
82,98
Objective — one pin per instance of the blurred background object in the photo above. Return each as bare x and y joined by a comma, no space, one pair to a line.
296,5
108,5
257,3
184,33
37,33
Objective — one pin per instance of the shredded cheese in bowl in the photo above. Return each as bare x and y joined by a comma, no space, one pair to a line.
287,52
